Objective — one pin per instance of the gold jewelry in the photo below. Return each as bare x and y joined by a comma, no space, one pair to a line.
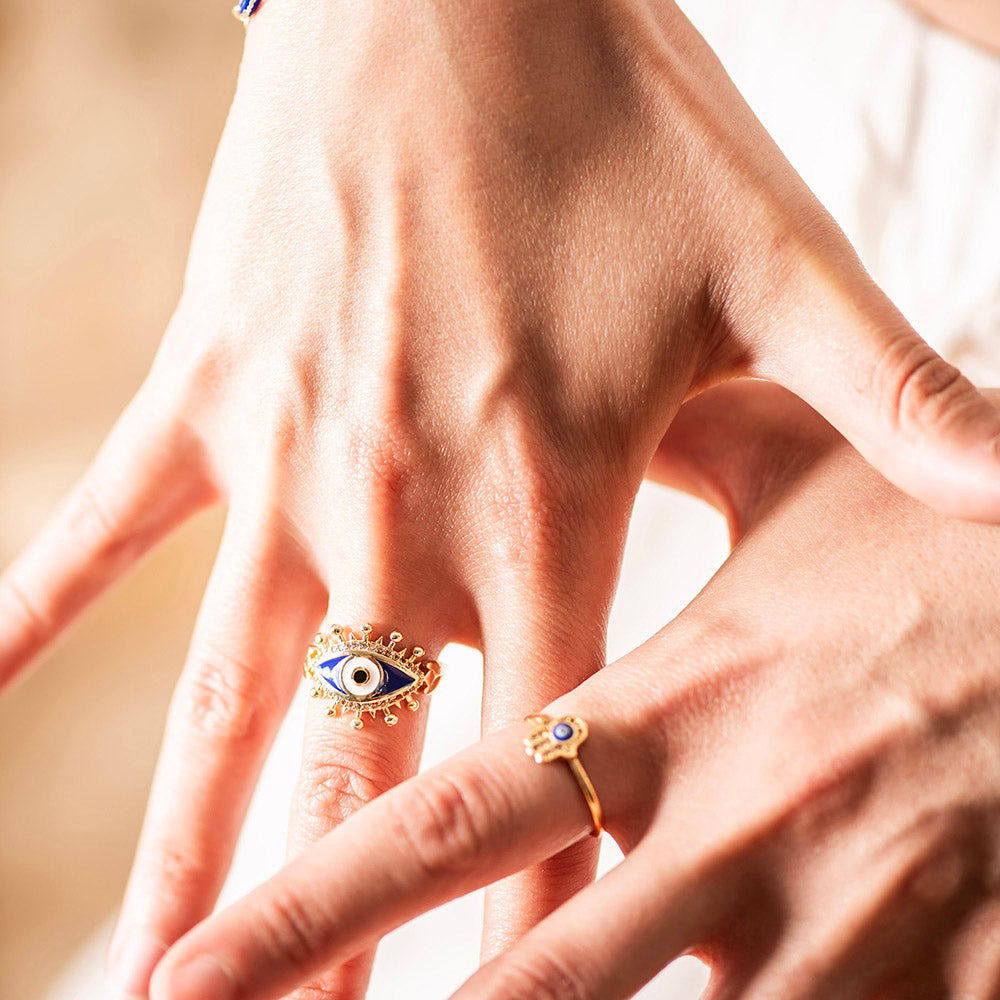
552,739
358,674
245,9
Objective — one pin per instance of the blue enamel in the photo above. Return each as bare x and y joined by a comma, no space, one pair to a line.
394,680
562,731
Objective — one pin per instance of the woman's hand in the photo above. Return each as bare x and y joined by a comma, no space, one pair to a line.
802,769
457,267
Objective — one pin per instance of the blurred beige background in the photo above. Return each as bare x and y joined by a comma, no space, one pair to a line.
109,114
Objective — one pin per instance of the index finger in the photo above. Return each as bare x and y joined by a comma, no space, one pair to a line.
486,813
146,479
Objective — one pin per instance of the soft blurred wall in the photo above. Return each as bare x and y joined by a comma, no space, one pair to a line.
109,114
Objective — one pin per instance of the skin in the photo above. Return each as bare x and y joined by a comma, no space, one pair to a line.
457,268
977,20
801,768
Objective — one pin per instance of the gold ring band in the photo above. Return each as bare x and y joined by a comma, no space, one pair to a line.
359,674
560,739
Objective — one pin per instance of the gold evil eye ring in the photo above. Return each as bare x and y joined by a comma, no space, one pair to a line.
358,674
560,739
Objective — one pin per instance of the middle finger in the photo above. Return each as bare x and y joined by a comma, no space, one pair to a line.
343,769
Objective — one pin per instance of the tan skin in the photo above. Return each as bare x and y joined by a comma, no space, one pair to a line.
457,268
802,768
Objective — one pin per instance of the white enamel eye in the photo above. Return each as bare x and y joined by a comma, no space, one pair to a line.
360,676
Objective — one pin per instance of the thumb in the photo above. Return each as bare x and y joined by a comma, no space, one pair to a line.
849,353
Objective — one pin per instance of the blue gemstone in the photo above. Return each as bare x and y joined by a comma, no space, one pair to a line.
562,730
248,7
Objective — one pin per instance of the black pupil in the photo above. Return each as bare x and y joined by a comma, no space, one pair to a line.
360,675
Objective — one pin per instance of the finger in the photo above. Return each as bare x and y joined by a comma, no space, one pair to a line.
484,814
605,942
342,770
260,608
850,354
145,480
544,630
394,570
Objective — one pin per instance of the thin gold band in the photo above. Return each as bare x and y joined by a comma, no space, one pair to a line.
589,793
560,739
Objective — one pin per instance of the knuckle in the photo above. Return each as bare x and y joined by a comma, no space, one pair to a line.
292,927
188,375
316,991
538,975
226,701
528,503
444,823
334,789
32,621
532,498
186,867
197,347
94,517
921,387
93,523
348,979
384,459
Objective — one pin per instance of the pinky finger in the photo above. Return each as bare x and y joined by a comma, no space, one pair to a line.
604,943
145,480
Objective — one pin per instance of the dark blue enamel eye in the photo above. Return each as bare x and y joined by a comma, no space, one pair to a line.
562,731
364,677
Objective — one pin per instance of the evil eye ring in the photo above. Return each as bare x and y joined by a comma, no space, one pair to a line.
358,674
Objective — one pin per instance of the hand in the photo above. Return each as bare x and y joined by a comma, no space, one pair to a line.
456,268
801,768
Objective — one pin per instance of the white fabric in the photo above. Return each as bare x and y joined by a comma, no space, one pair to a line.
896,126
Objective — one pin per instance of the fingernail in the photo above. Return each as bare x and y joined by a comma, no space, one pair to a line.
133,956
203,978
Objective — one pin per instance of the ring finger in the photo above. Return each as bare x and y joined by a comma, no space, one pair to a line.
562,621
